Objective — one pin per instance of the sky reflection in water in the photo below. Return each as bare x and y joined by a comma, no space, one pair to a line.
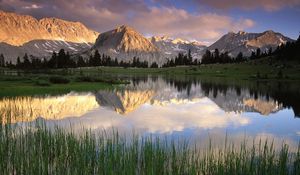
162,108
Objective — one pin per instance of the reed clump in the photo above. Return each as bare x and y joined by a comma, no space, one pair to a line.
37,149
40,150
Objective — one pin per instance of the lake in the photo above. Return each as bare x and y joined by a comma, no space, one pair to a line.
178,107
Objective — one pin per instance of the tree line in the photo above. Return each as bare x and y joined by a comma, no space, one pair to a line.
288,51
62,59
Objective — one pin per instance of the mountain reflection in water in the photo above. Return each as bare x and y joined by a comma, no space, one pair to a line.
160,92
157,105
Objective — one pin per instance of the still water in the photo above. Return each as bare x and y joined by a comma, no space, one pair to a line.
188,108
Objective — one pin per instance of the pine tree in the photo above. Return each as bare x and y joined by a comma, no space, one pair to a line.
154,65
81,62
19,64
61,59
53,62
239,57
270,51
258,52
26,62
2,61
252,55
116,62
206,58
217,56
190,58
97,59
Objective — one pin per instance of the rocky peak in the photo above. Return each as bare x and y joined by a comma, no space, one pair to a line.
268,38
124,28
160,38
242,33
124,39
269,32
16,29
248,42
179,40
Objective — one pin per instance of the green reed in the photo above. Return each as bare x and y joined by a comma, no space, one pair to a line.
40,150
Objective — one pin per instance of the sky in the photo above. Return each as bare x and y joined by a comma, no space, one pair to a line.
201,20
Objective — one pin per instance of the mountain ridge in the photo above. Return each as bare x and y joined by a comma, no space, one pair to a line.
126,39
20,34
248,42
125,43
19,29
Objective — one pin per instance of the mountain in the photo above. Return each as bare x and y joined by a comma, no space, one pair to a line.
41,49
18,29
247,42
125,43
50,107
159,92
23,33
39,38
171,47
123,102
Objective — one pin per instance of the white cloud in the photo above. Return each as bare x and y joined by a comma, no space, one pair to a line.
33,6
268,5
179,23
105,15
200,114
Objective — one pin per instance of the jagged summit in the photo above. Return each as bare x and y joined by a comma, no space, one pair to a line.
268,38
171,47
16,30
124,28
249,42
125,43
160,38
242,32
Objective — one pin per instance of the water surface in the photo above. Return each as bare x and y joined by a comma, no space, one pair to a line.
186,108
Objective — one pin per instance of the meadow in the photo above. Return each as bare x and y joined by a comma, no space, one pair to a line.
60,81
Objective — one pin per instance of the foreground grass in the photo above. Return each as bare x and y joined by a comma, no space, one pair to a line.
36,149
41,151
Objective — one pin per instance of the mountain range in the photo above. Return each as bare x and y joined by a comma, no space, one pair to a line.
20,34
160,93
248,42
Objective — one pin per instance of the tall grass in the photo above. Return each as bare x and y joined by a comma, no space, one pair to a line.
37,149
43,151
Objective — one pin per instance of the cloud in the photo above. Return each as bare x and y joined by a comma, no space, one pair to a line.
33,6
180,23
173,117
268,5
103,15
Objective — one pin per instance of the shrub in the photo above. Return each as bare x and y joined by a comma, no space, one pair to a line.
257,75
84,79
42,83
280,74
59,80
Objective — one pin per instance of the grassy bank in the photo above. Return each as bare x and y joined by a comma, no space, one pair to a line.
41,151
17,82
52,84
